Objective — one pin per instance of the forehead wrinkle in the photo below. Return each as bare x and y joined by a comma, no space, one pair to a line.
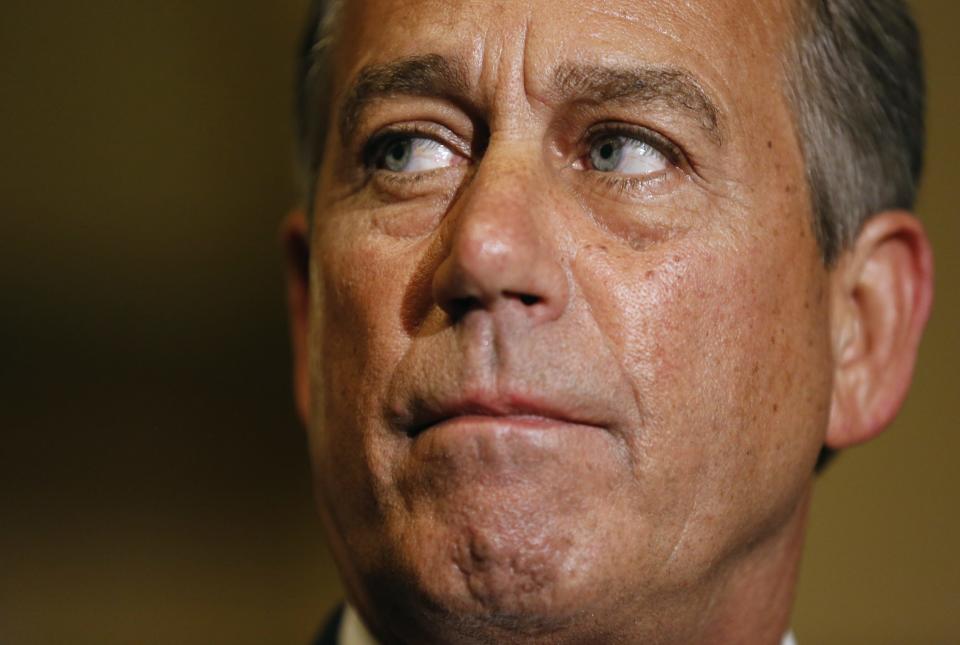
424,75
623,15
645,84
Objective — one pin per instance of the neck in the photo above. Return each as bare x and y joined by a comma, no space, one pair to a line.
753,603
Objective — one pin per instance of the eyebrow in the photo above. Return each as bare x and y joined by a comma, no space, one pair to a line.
436,75
674,87
427,75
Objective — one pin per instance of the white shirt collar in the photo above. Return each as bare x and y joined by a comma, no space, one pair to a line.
354,632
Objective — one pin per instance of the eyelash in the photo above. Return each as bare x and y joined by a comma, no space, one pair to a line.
377,145
620,184
658,142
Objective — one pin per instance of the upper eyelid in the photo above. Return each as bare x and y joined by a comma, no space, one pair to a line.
655,140
382,137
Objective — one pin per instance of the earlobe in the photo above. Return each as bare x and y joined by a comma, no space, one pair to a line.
882,294
294,236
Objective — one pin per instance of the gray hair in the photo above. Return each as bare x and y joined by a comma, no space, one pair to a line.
854,78
313,90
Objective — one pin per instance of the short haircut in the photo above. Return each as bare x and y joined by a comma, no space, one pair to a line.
313,91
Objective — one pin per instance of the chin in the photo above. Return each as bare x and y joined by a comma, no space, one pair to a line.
499,535
488,575
533,537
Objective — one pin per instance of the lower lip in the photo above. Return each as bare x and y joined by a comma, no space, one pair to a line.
474,448
531,421
467,425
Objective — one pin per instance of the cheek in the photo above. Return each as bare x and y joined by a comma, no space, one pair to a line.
727,354
357,341
358,289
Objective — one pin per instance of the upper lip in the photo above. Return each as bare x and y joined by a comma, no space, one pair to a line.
426,412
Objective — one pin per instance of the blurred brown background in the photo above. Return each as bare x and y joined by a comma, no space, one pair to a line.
154,483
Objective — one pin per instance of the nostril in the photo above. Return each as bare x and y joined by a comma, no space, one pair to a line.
526,298
458,307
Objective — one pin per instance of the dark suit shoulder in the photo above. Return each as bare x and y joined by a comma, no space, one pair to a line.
331,629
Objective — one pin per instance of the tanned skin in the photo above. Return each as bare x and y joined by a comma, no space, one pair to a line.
565,344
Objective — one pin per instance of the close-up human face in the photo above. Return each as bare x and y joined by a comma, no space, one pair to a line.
568,339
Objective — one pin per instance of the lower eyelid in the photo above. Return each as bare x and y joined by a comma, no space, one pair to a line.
406,177
627,181
403,185
637,186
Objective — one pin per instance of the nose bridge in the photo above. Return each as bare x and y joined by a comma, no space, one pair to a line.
503,250
500,199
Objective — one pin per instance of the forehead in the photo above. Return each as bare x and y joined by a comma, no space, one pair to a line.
726,44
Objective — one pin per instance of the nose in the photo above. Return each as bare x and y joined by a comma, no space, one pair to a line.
503,254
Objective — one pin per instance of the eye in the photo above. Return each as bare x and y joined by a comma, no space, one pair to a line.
411,154
626,156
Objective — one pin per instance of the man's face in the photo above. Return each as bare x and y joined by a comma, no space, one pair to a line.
569,351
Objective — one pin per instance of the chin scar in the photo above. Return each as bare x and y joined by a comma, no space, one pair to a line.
504,583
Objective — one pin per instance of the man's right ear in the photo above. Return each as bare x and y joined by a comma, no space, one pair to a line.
294,235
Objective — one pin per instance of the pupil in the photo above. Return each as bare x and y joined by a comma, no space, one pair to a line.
606,151
396,155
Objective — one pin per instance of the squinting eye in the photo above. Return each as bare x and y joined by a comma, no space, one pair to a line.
413,154
626,156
